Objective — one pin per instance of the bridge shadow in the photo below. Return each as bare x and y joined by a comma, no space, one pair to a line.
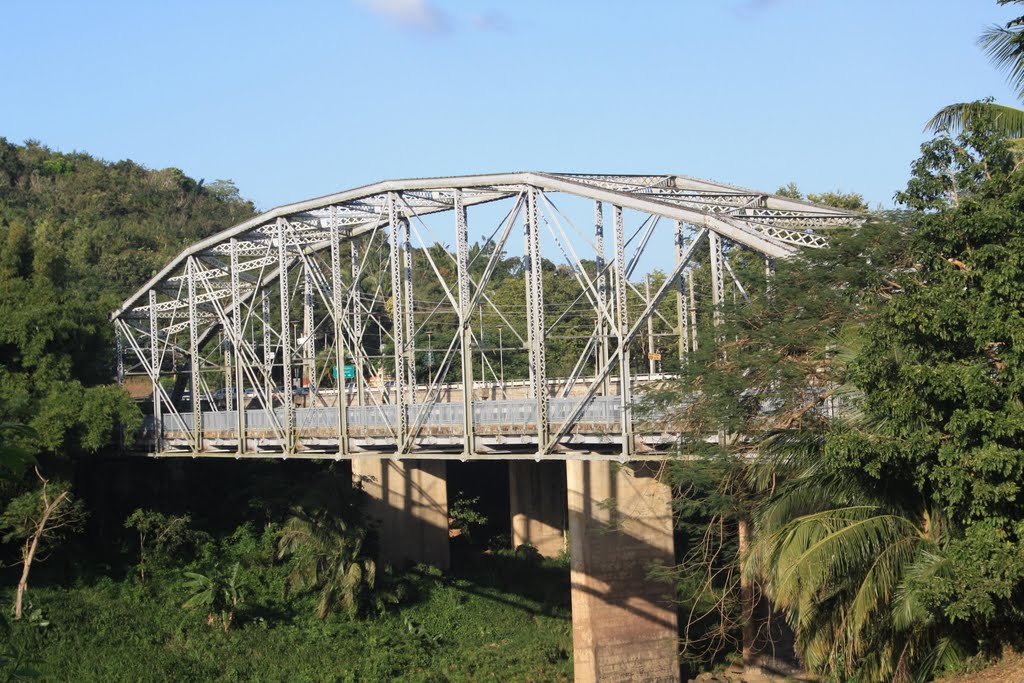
620,531
620,528
522,580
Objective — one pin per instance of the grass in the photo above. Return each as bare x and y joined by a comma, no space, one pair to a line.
457,627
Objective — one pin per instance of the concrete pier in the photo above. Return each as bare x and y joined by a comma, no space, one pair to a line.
624,624
409,500
538,505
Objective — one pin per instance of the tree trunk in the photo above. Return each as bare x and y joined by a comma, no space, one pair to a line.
746,595
29,553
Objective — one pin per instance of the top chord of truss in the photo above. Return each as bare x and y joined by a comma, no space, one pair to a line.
772,225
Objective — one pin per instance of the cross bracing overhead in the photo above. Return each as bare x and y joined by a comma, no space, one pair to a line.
381,337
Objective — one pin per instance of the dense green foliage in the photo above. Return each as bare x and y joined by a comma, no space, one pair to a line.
946,372
767,374
868,409
504,620
76,236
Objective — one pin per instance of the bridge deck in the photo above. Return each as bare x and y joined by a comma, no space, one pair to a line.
502,428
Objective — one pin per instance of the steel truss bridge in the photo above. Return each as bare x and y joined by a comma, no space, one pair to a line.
215,336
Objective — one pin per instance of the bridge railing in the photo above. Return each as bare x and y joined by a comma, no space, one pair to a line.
511,415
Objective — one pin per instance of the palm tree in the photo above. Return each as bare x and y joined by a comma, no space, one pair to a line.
844,566
328,554
1005,48
219,595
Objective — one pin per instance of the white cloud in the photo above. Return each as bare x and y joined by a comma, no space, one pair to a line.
492,20
421,15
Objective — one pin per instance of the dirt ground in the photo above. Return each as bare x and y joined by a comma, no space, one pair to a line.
1010,669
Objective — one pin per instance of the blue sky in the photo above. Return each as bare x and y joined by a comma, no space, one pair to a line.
295,100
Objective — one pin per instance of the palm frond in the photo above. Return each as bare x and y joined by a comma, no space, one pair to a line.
907,610
1005,48
955,118
812,550
877,588
325,553
944,655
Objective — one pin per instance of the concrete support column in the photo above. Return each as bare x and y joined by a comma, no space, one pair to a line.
624,624
537,501
409,499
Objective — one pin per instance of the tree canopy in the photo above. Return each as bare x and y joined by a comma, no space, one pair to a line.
77,234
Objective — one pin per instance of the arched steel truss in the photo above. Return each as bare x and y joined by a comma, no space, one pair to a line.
216,331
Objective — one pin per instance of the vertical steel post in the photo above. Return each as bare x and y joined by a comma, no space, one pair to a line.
483,364
535,314
287,397
465,332
193,335
717,277
357,321
154,361
717,299
226,350
339,335
693,313
119,342
622,314
650,327
308,328
398,320
410,320
682,314
268,353
236,343
602,293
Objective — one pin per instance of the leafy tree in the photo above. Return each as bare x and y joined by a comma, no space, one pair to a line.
944,366
159,535
771,370
15,457
38,520
464,515
901,531
77,235
1005,48
850,201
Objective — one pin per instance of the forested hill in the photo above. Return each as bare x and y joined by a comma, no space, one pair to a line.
77,235
102,227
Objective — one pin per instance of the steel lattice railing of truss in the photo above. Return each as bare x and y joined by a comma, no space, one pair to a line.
220,319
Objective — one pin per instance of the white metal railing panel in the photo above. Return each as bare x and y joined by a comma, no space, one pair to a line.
220,421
